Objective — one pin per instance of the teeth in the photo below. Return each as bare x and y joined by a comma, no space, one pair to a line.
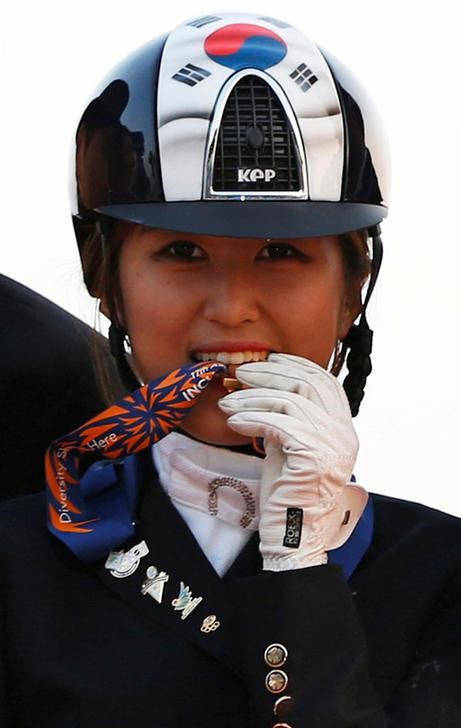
206,356
235,357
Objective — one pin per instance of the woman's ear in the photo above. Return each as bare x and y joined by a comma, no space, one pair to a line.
351,308
104,308
112,311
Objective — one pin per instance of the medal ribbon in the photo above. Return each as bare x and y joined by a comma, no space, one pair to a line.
91,483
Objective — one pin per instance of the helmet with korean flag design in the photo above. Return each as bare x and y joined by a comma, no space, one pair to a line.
232,124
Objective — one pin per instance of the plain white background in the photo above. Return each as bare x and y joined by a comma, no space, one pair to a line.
407,54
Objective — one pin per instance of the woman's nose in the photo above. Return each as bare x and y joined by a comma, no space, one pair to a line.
232,298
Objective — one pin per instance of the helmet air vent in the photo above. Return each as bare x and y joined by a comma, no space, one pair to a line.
255,150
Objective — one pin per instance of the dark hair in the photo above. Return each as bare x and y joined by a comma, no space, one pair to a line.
356,255
100,259
357,269
100,254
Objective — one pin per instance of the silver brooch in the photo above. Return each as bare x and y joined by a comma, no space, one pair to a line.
154,583
241,488
185,602
121,564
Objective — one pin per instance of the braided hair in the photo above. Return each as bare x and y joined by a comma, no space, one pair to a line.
357,345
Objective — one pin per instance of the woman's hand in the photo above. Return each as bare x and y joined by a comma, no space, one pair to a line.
308,505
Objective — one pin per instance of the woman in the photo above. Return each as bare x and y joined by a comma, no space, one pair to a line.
229,178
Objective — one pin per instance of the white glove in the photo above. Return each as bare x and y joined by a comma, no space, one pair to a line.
303,415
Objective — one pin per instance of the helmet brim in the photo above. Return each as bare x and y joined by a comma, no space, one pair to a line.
251,218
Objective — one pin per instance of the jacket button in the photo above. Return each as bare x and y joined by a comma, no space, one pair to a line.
276,681
276,655
282,705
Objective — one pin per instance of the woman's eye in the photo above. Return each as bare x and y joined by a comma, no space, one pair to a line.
183,249
279,250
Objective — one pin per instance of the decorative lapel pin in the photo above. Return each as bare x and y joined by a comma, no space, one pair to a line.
185,603
154,583
210,624
121,564
245,492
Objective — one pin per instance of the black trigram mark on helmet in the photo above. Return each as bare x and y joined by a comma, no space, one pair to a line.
200,22
304,77
191,74
274,21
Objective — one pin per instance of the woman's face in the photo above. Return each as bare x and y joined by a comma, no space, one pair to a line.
195,297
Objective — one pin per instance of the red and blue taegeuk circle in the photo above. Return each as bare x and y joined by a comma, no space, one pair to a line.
242,45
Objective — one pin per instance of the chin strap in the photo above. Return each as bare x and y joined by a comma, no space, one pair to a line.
359,340
117,349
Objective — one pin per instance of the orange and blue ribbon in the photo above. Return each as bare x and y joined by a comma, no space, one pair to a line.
91,482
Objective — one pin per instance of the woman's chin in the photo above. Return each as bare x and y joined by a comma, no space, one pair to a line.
206,422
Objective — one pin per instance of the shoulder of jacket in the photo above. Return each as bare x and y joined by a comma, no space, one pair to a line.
417,526
22,516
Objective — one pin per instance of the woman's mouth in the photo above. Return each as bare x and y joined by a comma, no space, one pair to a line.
232,359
